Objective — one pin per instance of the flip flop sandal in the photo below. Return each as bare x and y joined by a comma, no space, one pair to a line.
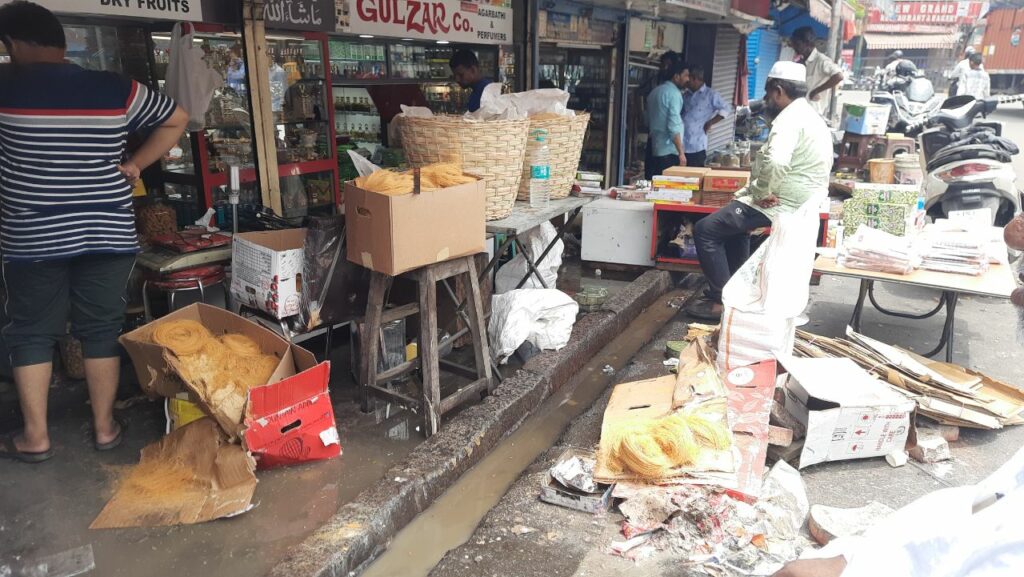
113,443
8,450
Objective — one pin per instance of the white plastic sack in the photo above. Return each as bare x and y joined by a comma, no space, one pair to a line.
544,317
416,112
749,338
191,82
776,278
536,241
497,106
363,166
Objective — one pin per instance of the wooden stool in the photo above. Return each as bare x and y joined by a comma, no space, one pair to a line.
899,145
428,360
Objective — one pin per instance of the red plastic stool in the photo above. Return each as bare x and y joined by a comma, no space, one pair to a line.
197,278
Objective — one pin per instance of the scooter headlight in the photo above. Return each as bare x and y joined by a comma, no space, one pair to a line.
963,172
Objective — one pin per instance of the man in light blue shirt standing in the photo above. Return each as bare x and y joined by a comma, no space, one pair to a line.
665,122
702,109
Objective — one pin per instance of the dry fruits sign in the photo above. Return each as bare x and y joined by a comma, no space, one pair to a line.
450,20
153,9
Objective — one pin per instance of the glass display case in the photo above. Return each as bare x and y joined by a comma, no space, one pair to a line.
196,170
358,60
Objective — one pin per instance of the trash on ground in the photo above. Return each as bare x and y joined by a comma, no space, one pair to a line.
591,298
930,447
947,393
897,458
608,369
577,473
522,530
190,476
696,331
848,413
751,396
544,317
828,523
570,483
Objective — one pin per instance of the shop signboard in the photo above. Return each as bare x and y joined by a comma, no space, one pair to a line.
720,7
190,10
451,20
939,11
304,15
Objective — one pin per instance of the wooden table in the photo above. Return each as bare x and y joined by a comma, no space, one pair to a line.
997,282
524,219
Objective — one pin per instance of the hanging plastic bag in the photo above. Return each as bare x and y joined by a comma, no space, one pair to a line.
363,166
537,239
190,80
775,280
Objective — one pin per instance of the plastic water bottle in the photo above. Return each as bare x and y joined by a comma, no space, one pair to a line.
540,169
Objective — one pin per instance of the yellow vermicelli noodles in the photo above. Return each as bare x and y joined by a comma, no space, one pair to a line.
183,337
432,177
652,448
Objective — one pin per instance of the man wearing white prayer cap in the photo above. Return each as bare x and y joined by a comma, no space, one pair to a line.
790,171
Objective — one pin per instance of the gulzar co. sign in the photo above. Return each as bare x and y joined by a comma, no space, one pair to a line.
450,20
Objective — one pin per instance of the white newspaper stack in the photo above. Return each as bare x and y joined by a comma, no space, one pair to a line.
876,250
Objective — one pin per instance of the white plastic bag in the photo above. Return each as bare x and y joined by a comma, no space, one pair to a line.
536,241
748,338
363,166
776,278
544,317
191,82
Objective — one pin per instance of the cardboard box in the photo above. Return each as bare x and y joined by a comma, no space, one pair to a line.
848,413
751,394
676,182
690,171
670,195
291,418
725,180
897,193
866,118
266,270
395,234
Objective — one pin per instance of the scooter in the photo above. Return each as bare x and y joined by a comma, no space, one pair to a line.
967,162
910,95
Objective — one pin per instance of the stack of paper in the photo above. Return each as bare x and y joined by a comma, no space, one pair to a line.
877,250
955,252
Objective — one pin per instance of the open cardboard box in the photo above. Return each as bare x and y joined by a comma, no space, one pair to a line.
266,270
393,234
295,400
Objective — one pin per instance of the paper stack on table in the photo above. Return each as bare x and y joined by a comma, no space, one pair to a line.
877,250
955,252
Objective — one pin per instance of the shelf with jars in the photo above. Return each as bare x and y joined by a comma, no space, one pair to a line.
196,170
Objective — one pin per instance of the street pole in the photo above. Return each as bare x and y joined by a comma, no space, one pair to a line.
835,47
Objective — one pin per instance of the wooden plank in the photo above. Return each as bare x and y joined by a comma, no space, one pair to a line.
428,351
997,282
524,218
462,395
401,312
395,396
481,348
780,417
779,436
461,370
263,128
368,351
396,372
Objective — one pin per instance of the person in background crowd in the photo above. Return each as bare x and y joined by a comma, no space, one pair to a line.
664,64
68,232
793,166
703,107
975,82
960,69
823,75
466,70
664,118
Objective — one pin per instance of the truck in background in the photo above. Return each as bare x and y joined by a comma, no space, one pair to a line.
998,37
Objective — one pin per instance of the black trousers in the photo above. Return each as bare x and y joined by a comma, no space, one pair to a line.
723,243
658,164
696,159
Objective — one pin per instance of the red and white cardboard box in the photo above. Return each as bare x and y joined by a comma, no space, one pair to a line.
292,421
848,413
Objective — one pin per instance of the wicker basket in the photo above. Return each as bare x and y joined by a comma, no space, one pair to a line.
565,144
493,150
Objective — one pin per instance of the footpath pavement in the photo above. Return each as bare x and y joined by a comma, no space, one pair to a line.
543,540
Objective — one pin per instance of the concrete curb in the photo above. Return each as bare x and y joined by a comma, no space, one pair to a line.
361,529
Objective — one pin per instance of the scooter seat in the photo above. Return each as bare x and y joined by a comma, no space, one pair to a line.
969,152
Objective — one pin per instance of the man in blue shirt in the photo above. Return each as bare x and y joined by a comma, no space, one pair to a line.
665,121
466,70
703,108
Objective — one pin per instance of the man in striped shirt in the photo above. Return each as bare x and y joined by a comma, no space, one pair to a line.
68,232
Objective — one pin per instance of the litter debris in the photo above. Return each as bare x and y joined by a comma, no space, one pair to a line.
949,432
695,331
576,473
828,523
608,369
671,363
930,448
522,529
897,458
946,393
779,436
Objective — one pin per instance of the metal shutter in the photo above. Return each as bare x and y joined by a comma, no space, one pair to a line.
723,79
767,54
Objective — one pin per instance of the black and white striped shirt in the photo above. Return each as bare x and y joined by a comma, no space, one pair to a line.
63,131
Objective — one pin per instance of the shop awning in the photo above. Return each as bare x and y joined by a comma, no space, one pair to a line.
876,41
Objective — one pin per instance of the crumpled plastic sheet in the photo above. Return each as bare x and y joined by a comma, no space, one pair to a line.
576,473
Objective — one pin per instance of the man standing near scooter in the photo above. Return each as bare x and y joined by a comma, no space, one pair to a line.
975,82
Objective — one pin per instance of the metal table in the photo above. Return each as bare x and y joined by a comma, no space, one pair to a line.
524,219
997,282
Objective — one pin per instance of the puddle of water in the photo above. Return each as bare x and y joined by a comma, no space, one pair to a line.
451,520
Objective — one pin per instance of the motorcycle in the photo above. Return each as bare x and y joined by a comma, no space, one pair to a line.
967,162
909,94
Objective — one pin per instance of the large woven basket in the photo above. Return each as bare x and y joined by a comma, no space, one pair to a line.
565,144
493,150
